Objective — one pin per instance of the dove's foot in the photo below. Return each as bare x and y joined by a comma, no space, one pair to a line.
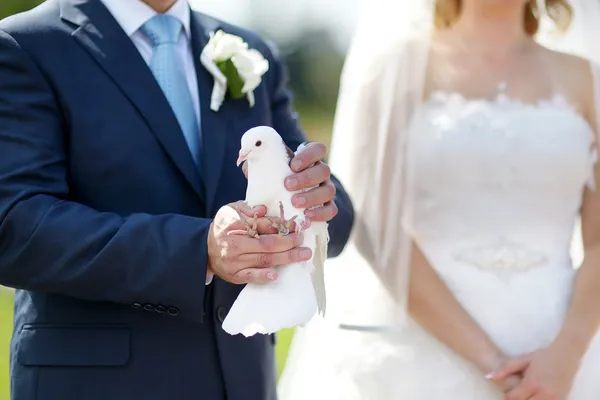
252,226
281,224
302,223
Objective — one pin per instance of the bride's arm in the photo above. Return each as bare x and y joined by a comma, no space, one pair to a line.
583,317
549,373
432,305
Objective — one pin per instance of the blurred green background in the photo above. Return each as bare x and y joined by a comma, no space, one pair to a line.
6,304
314,62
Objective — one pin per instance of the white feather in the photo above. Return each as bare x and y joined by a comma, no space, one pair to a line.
320,254
299,292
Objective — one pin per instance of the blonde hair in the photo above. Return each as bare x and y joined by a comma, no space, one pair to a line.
447,13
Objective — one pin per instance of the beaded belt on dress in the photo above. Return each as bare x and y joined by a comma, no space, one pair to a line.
501,256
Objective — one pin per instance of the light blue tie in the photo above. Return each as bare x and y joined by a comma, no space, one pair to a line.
163,32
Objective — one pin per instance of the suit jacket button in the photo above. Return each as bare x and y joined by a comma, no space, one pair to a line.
137,306
148,307
172,311
221,313
161,309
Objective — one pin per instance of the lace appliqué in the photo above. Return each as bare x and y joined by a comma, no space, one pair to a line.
458,100
478,111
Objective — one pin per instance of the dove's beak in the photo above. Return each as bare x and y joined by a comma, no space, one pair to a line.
242,157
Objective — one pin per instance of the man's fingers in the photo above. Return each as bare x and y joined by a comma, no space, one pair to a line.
256,275
245,209
322,214
270,243
312,153
269,260
315,197
264,226
308,177
275,243
261,267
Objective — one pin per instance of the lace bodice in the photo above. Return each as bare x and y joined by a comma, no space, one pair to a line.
499,182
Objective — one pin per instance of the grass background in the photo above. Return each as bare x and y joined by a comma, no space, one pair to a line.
317,123
6,311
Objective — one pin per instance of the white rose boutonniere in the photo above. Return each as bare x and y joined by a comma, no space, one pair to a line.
235,68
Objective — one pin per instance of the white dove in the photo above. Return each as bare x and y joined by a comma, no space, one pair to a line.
299,292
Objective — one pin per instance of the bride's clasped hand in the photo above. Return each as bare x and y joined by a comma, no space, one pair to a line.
546,374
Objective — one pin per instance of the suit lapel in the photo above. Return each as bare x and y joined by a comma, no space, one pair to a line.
215,125
104,39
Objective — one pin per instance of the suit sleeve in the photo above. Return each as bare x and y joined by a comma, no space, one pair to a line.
285,121
53,245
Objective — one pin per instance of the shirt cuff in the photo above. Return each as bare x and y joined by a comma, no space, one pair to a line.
209,278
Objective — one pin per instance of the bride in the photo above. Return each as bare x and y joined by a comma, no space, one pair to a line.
468,143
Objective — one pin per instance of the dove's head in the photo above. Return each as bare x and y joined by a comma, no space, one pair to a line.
258,142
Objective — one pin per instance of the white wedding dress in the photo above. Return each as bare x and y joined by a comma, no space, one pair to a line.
499,185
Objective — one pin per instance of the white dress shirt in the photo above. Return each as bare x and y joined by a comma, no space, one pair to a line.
133,14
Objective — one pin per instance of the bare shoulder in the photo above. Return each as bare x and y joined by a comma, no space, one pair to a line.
573,74
569,64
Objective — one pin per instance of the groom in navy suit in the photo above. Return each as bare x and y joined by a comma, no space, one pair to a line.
116,187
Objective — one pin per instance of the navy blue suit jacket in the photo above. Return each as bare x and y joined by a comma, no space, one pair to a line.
104,215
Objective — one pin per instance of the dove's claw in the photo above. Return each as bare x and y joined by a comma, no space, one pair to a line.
302,224
281,212
281,224
252,226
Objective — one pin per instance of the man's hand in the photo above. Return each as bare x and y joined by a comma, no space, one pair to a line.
239,259
311,171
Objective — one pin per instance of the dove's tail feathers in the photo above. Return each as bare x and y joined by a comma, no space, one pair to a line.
268,308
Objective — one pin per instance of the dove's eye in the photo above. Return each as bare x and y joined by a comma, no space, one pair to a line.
258,143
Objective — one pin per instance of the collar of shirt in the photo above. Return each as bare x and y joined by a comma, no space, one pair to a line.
132,14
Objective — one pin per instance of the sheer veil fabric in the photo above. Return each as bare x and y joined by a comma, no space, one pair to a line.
381,87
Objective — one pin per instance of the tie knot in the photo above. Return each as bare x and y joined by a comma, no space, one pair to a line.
162,29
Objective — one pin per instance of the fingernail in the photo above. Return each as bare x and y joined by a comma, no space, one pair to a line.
271,276
305,254
490,375
298,239
292,183
301,200
257,209
296,165
307,222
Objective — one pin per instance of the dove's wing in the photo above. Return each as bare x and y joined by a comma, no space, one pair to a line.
318,275
322,240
